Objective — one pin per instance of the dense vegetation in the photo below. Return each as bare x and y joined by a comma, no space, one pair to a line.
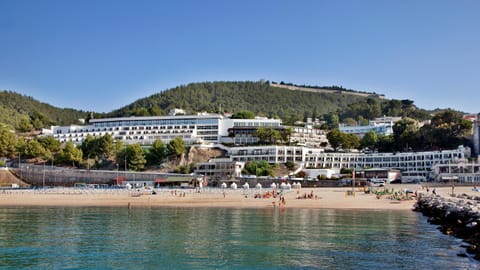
258,97
266,100
447,130
25,113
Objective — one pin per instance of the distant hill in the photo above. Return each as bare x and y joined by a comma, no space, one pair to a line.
286,101
263,98
14,107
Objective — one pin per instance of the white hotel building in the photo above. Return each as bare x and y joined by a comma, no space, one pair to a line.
193,129
410,163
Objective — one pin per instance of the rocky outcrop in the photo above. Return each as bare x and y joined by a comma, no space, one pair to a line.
459,216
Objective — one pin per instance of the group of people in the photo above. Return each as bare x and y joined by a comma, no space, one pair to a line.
175,193
307,196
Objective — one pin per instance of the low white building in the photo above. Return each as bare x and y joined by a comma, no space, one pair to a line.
382,126
220,168
418,163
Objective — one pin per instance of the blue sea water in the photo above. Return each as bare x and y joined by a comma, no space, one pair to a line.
222,238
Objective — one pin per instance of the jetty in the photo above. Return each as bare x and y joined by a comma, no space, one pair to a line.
457,215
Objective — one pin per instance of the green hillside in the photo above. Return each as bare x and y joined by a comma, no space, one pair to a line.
264,99
17,109
257,97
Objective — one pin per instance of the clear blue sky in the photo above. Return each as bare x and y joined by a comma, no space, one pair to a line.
101,55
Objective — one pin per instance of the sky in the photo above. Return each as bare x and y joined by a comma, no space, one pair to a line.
102,55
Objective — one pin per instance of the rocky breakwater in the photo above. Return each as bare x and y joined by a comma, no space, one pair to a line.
458,215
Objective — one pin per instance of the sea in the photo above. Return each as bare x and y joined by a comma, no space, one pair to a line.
223,238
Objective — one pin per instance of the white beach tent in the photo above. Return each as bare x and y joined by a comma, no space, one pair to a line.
273,185
223,186
246,186
233,186
258,186
289,186
283,186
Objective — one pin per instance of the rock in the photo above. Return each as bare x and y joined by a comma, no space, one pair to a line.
459,218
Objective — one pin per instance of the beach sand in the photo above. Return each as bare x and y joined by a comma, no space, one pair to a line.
332,198
324,198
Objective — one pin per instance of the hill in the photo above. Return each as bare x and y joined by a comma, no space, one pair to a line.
258,97
286,101
14,107
271,100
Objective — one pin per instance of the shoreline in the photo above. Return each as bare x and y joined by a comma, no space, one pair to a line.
311,198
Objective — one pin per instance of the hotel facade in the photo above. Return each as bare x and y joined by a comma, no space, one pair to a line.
412,164
193,129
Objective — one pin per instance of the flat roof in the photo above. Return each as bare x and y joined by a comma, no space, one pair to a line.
143,118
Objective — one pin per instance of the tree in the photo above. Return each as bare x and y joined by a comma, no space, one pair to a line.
350,121
50,143
404,132
33,149
258,168
157,152
98,148
25,125
141,112
105,146
8,142
268,135
447,128
70,154
39,120
362,121
385,143
286,134
369,140
136,157
337,139
350,141
243,115
332,120
334,137
176,147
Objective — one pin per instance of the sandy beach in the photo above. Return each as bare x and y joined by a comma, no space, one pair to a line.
326,198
